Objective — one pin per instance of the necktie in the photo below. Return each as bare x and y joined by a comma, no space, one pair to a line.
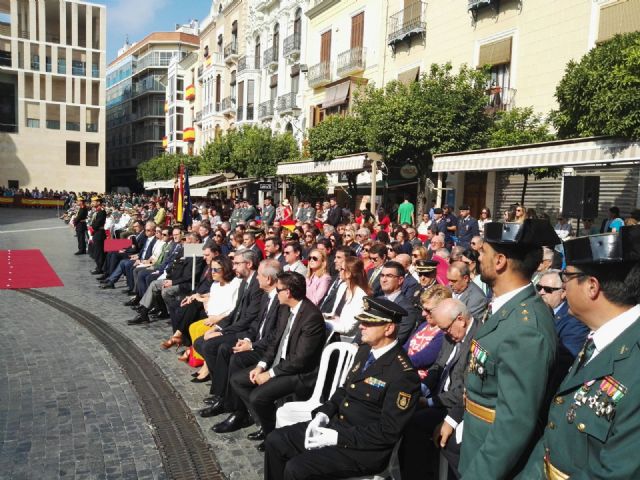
447,369
283,340
374,275
587,352
241,292
370,360
264,318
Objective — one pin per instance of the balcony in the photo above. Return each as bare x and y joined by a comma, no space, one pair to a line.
246,64
262,5
231,52
73,126
228,105
499,99
352,61
249,113
407,23
475,5
319,74
270,58
291,47
198,116
287,103
265,110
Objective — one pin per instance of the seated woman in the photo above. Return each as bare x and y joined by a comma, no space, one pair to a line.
424,344
471,258
350,296
419,253
318,278
222,300
364,255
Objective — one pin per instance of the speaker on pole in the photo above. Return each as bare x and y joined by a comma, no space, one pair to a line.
581,197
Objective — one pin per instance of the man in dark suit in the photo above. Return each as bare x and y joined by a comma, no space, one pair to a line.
466,291
239,323
249,242
354,433
467,227
80,224
443,391
99,235
378,255
334,216
290,364
273,249
113,258
410,285
268,271
330,299
268,212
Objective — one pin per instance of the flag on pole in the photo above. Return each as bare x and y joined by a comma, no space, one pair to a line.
180,203
186,201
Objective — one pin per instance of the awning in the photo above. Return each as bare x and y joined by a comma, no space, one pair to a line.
409,76
336,95
563,153
619,17
199,192
349,163
495,53
161,184
202,180
231,184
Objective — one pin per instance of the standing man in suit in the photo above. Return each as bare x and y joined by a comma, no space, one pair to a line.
465,290
378,255
80,224
512,357
99,235
467,227
594,426
241,321
268,213
354,432
253,342
443,388
290,364
334,217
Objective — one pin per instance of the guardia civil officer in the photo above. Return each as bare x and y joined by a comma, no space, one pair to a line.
80,224
354,433
426,271
99,235
593,431
512,356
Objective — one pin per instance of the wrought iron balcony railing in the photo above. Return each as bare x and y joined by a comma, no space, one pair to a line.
291,46
265,110
230,51
351,61
319,74
270,57
407,22
287,103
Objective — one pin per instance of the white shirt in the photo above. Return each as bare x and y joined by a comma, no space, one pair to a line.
285,340
378,352
611,330
272,294
498,302
346,323
297,266
392,296
223,298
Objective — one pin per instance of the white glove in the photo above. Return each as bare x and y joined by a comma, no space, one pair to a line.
325,437
320,420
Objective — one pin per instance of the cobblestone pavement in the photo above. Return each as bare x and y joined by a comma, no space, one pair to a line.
77,361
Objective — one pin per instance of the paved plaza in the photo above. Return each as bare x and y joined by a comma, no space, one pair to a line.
66,408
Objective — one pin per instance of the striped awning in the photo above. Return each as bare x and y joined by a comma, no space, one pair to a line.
564,153
349,163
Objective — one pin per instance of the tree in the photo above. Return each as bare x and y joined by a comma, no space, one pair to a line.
442,112
165,166
337,136
600,94
520,126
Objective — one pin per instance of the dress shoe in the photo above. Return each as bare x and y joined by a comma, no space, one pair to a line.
104,276
209,400
201,380
257,435
80,253
213,410
97,272
132,302
260,446
232,423
161,315
128,292
141,318
107,285
154,311
139,308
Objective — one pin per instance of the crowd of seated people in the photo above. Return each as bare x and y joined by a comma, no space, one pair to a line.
268,297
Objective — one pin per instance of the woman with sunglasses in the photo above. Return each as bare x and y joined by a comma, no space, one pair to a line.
318,278
221,302
419,253
220,238
364,255
351,293
485,217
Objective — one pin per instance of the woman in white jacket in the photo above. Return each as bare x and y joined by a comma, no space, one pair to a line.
349,298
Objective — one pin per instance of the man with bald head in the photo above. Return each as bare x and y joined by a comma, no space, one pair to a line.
465,290
410,284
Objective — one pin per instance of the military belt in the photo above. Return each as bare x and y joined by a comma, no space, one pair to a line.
477,410
552,472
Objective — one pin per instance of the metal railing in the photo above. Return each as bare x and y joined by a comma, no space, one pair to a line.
247,63
270,57
265,110
198,115
92,127
230,49
319,74
287,102
249,112
500,99
227,104
53,124
73,126
407,22
292,45
351,61
240,113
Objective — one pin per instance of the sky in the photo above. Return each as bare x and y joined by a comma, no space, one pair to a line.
138,18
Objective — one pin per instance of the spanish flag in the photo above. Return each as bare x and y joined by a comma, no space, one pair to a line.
182,197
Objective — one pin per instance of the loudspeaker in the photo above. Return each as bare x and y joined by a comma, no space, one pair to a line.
581,197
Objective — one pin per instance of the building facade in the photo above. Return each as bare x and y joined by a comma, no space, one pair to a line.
52,94
135,101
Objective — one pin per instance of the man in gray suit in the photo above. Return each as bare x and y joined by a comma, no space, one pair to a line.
268,213
466,291
443,390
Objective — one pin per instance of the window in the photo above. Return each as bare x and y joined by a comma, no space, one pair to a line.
297,22
276,40
357,30
256,54
325,47
295,78
92,157
250,99
273,85
73,153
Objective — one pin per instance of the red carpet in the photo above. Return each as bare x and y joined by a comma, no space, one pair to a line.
26,269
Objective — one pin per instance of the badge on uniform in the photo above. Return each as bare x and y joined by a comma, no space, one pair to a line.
403,400
603,402
374,382
478,359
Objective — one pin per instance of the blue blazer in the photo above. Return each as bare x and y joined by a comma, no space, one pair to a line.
572,333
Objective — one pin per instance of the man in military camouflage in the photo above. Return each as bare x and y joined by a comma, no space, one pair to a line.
354,432
593,429
512,356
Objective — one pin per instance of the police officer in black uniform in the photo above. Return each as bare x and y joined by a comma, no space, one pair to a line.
80,223
354,433
427,273
99,235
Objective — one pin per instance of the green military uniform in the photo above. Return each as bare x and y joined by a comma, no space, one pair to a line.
593,430
510,365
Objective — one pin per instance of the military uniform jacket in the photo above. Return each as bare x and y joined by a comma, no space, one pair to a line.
510,364
594,420
81,216
372,408
99,219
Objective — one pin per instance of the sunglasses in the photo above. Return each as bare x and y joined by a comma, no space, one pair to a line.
281,289
547,289
415,255
315,259
424,274
367,250
216,269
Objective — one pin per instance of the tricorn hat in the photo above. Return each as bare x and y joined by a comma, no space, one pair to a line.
614,247
533,232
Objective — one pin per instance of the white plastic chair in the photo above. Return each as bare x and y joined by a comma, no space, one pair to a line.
295,412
